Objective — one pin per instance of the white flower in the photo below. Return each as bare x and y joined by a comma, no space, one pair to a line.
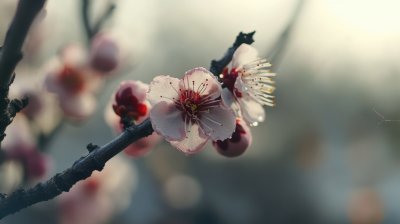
248,83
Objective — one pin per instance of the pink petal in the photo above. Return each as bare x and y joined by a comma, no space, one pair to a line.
243,55
193,142
251,110
143,145
195,78
163,88
219,122
138,88
78,107
167,121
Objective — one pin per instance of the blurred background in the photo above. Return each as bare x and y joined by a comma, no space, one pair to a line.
326,153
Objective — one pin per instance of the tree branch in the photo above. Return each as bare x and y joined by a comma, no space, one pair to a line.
11,54
80,170
96,158
279,47
90,30
218,65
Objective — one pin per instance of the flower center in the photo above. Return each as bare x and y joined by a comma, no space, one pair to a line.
228,79
71,80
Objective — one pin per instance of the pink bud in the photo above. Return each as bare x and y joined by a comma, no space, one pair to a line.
104,54
130,100
236,145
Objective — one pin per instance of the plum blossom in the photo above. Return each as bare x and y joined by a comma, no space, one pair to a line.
73,82
104,54
239,142
248,83
188,112
129,103
20,146
99,197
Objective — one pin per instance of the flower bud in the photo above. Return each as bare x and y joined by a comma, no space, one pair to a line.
129,100
104,54
236,145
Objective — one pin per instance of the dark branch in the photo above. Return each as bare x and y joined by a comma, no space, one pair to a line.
218,65
85,18
96,158
80,170
106,15
11,54
279,47
90,30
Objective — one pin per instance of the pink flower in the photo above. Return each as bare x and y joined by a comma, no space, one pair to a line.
73,83
190,111
129,102
249,81
96,199
20,146
239,142
104,54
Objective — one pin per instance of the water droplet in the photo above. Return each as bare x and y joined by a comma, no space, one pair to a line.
254,124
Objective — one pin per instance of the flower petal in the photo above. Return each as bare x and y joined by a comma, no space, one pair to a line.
202,81
163,88
227,97
78,107
167,121
243,55
142,146
193,142
251,110
138,89
219,122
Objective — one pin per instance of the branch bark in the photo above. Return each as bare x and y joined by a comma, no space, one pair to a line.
11,54
80,170
218,65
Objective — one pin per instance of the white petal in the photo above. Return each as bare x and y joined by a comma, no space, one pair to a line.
227,97
193,142
167,121
219,122
243,55
202,81
252,111
163,88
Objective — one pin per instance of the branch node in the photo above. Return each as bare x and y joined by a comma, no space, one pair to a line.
90,147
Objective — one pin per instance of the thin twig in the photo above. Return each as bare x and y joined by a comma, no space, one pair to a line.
218,65
90,30
278,48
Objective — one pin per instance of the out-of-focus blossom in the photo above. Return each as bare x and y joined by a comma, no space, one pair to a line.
236,145
248,82
190,111
104,54
365,207
98,198
19,145
129,103
73,82
182,191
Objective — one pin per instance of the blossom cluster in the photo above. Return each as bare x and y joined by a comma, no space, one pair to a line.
199,107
